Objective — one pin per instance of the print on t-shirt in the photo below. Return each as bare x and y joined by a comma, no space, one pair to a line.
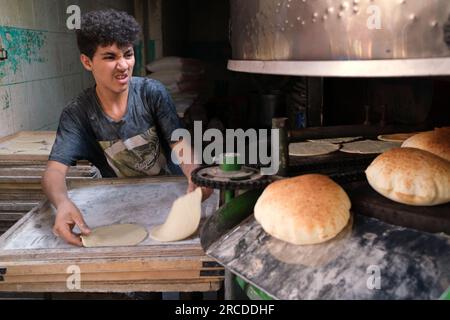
137,156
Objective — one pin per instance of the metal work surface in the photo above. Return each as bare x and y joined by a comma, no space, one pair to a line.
146,204
410,264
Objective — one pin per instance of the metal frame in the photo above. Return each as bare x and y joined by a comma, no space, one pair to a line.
350,68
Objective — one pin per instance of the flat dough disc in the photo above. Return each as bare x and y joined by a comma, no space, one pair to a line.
305,149
119,235
336,140
183,220
396,137
369,146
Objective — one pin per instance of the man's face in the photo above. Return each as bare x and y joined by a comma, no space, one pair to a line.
112,67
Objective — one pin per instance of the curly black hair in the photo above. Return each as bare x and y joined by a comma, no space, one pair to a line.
105,28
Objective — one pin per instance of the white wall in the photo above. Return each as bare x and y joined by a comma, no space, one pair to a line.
43,71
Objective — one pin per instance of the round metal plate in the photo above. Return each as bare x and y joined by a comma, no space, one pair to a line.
213,177
217,173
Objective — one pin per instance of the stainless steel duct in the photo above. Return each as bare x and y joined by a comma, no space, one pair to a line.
366,38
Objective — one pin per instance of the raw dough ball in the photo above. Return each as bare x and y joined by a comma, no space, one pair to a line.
305,149
369,146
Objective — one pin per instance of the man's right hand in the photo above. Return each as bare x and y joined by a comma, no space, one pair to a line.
67,217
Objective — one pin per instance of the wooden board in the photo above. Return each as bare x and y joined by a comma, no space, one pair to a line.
21,184
7,223
10,216
45,267
16,206
27,163
38,171
27,145
119,287
24,183
20,195
31,257
177,274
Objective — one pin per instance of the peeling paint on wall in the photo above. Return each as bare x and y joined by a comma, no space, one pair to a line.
23,45
43,70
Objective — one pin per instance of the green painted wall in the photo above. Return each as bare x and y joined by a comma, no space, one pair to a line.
23,46
43,71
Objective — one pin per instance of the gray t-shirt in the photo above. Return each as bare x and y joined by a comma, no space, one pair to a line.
138,145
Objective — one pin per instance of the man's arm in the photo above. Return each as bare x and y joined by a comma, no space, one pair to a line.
188,166
162,106
67,214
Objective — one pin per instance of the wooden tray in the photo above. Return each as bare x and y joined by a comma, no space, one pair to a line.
27,146
33,259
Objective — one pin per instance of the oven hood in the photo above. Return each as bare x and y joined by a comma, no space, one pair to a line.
331,38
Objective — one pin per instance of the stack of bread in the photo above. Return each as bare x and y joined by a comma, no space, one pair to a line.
416,174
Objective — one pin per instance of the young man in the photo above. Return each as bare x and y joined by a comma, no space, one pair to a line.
122,125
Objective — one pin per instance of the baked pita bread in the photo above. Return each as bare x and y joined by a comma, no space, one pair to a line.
308,209
411,176
436,142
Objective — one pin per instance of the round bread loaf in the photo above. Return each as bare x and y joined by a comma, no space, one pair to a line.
411,176
308,209
436,142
